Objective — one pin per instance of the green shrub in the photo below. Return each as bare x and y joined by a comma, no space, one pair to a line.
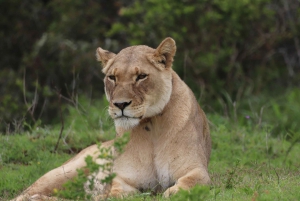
226,48
223,45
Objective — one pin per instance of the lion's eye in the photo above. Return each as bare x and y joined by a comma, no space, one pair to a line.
112,77
141,77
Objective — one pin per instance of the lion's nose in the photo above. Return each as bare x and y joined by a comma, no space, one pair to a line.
122,106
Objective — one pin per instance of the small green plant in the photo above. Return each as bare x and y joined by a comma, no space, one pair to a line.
120,142
74,189
231,179
195,194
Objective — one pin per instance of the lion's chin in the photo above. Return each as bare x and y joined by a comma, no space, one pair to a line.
126,123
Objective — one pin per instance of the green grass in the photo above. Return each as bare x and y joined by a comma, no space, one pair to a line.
249,165
255,155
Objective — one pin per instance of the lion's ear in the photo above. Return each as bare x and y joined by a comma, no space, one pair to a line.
104,56
166,51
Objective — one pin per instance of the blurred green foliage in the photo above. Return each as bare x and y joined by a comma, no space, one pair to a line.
48,51
236,46
227,51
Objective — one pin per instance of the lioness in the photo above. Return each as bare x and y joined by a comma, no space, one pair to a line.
169,145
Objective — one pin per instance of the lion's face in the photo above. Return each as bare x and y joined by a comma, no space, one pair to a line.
138,82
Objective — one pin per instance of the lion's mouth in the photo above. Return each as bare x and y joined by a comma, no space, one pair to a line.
128,117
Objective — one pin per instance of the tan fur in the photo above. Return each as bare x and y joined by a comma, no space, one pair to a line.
169,146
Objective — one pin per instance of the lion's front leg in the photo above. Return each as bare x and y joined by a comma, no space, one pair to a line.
118,189
45,185
55,178
189,180
38,197
121,188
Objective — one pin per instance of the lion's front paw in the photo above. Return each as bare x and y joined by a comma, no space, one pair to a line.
38,197
35,197
100,197
24,197
170,191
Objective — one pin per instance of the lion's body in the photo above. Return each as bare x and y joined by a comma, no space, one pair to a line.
169,145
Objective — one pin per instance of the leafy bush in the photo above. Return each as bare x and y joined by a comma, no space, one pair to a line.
239,47
49,49
227,50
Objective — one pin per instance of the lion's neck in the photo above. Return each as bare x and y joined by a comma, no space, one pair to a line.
178,110
182,99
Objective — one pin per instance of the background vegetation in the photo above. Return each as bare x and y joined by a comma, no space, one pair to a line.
241,59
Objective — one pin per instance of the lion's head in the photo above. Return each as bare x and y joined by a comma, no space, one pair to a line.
138,81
